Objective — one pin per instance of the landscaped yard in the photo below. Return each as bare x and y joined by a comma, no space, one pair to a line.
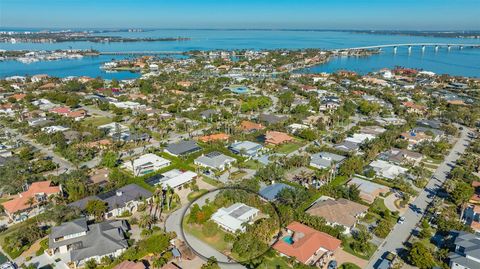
194,195
217,241
288,147
237,175
346,245
96,121
274,262
252,164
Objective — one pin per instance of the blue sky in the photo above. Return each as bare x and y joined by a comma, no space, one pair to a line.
317,14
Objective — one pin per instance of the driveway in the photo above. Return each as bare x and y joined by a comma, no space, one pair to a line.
341,256
401,232
173,223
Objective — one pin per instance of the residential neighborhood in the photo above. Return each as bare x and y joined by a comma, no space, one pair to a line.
211,160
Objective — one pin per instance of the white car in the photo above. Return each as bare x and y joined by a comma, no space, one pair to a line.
401,220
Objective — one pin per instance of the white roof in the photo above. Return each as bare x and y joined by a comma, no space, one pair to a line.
360,138
150,158
386,169
234,216
175,178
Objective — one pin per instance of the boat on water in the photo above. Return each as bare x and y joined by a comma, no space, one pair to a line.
8,265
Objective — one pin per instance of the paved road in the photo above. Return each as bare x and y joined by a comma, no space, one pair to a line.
401,232
63,164
173,224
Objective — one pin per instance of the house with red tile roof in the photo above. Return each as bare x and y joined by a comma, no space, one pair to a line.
37,194
277,138
214,137
19,96
414,108
306,244
62,110
77,114
248,126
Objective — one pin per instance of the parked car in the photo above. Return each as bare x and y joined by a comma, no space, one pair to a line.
332,264
401,220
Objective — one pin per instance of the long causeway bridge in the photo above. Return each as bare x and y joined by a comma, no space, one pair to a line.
409,46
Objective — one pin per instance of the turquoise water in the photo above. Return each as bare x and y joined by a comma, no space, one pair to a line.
465,62
288,240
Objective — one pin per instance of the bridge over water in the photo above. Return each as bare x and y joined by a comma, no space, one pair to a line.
436,46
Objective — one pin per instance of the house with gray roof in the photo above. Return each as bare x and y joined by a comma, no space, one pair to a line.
182,148
271,119
214,160
125,199
78,242
245,148
347,146
467,251
325,160
271,192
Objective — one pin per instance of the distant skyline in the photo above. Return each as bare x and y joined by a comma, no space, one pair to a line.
262,14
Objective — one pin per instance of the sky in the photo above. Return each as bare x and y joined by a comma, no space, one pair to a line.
262,14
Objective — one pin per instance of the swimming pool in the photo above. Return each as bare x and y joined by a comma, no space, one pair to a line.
288,240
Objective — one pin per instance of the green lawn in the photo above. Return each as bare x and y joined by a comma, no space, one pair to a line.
349,265
253,164
193,195
12,229
274,263
339,180
217,241
366,256
288,148
96,121
237,175
212,182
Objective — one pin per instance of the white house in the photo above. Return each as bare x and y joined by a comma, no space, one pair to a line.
386,169
54,129
145,164
214,160
360,138
175,179
233,218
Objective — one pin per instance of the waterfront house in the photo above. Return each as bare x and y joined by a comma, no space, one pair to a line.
233,218
306,244
76,242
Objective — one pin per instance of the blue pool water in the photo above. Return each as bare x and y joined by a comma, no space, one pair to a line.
288,240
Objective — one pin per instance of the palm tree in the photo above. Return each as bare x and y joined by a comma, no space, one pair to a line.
145,221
